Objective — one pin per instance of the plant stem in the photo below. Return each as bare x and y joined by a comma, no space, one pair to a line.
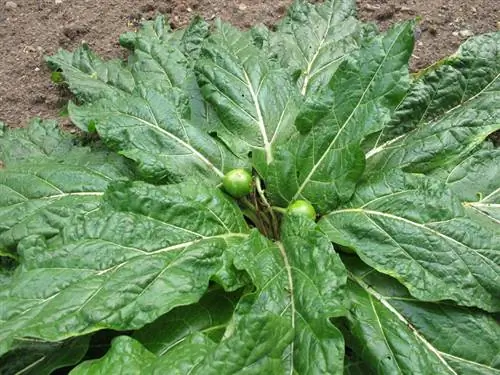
281,210
274,220
252,212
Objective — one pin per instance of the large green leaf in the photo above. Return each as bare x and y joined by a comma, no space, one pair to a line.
417,231
149,63
302,279
292,302
446,140
48,179
472,71
255,347
398,334
145,251
157,119
452,108
324,162
155,130
157,60
314,39
254,98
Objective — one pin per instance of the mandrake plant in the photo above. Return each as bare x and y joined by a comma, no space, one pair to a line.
128,231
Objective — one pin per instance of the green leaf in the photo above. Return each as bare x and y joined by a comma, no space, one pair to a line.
40,140
419,337
159,246
324,162
463,90
476,182
159,57
254,348
48,180
150,109
302,279
472,71
42,358
447,140
384,341
157,60
210,316
126,356
273,313
417,231
89,77
254,98
155,130
314,39
183,357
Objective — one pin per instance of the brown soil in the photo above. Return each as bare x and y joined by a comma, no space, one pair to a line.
30,29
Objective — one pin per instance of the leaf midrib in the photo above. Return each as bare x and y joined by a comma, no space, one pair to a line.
156,127
310,63
288,270
260,119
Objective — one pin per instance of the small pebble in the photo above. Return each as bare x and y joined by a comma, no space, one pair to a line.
58,2
465,33
242,7
10,5
371,8
189,10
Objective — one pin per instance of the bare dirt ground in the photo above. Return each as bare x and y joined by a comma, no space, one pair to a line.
30,29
